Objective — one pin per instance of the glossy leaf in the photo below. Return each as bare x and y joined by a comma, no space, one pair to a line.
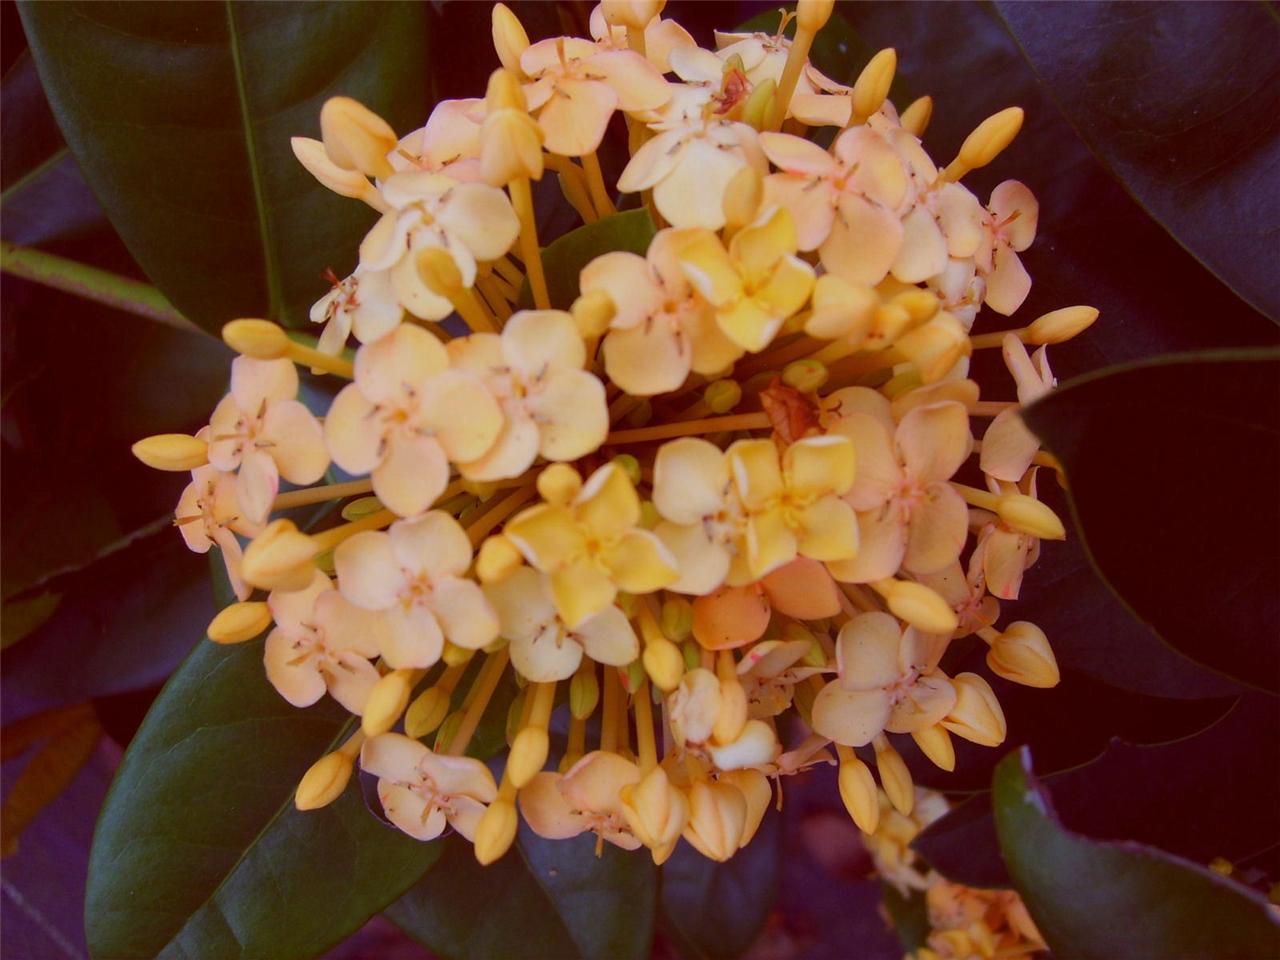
719,909
909,915
1172,468
1125,795
1182,102
194,166
200,852
563,259
1096,899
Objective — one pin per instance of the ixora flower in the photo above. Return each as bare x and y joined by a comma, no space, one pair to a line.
713,493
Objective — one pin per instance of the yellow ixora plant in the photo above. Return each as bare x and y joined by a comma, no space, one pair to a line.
711,503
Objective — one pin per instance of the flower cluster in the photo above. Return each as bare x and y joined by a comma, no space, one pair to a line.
707,514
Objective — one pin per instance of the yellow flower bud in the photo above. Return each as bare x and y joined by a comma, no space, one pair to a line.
260,339
361,507
593,312
895,777
439,271
628,465
721,396
921,305
872,85
935,743
1028,515
1057,326
324,782
742,197
935,347
717,819
281,557
915,119
986,142
664,664
920,606
498,559
510,146
454,655
559,483
528,755
496,831
356,138
444,736
806,375
632,676
977,715
426,713
509,38
677,619
732,716
755,788
858,791
632,14
346,183
1023,654
172,451
584,693
386,703
1221,866
812,15
515,717
692,654
755,109
239,622
655,810
901,384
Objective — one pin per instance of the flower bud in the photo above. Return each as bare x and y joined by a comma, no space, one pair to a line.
920,606
439,271
915,119
755,744
655,810
895,777
498,559
872,85
356,138
239,622
692,654
593,312
935,347
362,507
935,743
812,15
528,755
628,465
584,694
1061,325
346,183
758,794
515,717
742,197
509,38
324,782
176,452
858,791
496,831
281,557
559,483
986,142
663,663
426,713
977,715
260,339
755,109
1028,515
721,396
632,676
510,147
807,375
1023,654
386,703
677,618
732,715
717,819
632,14
454,655
445,735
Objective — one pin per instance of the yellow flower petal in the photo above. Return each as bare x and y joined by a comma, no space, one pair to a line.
607,505
770,541
580,590
709,268
828,530
756,472
819,465
547,535
640,563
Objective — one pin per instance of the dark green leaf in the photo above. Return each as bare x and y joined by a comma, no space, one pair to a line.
718,909
607,903
909,915
1173,467
1182,102
441,910
1095,899
180,117
564,259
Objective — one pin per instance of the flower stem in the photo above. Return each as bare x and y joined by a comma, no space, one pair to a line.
644,728
482,691
522,200
329,491
686,428
595,185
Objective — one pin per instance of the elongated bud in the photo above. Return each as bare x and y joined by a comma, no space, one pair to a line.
509,38
497,560
717,819
281,557
1060,325
1028,515
858,791
977,715
239,622
362,507
356,138
324,782
444,735
528,755
732,715
386,703
177,452
920,606
873,83
593,312
755,788
692,654
510,147
677,619
742,197
915,119
921,305
496,831
755,109
584,693
346,183
559,483
628,465
426,713
807,375
935,743
439,271
812,15
260,339
721,396
504,92
655,810
986,142
895,777
1023,654
663,663
935,347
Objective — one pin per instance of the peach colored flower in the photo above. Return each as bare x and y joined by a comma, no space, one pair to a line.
365,303
1008,446
1013,215
818,100
422,792
209,513
1006,553
586,797
661,38
448,144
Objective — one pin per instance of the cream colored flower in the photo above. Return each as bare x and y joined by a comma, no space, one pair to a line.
1008,447
586,797
818,100
661,37
406,416
769,672
448,144
209,513
365,303
1013,215
262,433
422,792
550,405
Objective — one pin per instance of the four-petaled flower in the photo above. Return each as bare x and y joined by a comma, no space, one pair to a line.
209,513
586,797
364,303
422,792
